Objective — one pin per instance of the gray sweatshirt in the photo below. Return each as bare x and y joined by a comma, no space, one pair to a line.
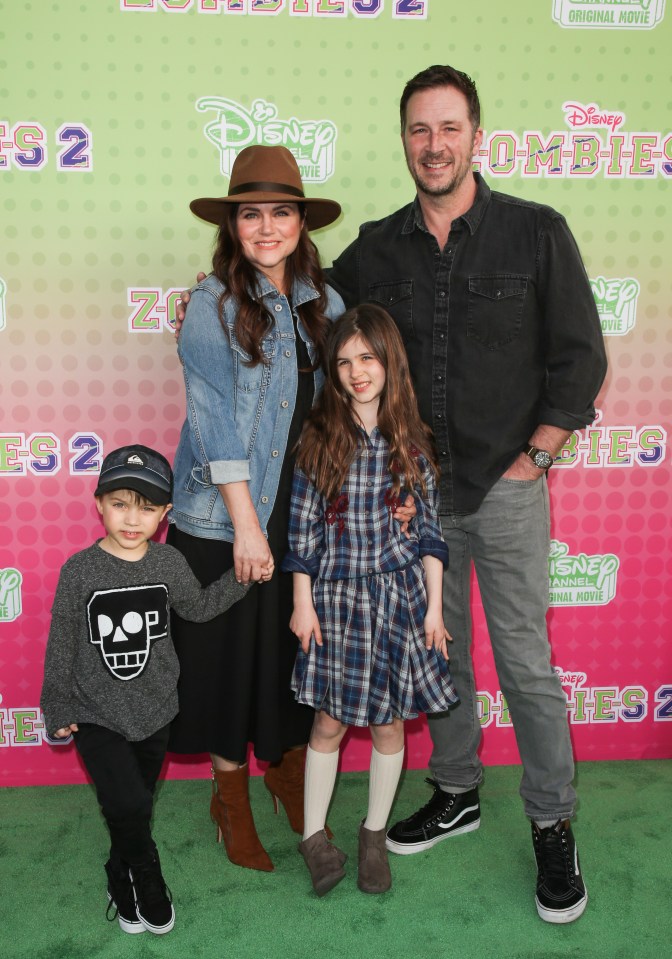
110,659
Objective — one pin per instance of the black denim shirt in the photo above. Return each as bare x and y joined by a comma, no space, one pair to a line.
501,329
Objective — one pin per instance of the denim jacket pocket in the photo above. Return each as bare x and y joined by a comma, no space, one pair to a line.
495,308
248,379
397,298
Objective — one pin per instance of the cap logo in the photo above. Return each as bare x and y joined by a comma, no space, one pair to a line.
135,460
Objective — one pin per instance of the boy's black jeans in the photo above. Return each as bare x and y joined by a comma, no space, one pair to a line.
124,774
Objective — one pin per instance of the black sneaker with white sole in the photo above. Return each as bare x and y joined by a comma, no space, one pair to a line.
561,893
120,898
446,814
153,901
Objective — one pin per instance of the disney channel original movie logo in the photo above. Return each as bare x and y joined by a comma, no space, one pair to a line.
609,14
10,595
616,300
581,580
313,142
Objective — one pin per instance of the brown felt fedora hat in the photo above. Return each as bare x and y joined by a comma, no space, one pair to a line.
264,174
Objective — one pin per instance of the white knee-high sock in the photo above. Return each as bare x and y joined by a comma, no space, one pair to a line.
319,785
384,776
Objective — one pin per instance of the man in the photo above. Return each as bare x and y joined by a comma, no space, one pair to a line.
504,343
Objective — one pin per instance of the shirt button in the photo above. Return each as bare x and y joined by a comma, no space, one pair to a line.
442,293
442,336
284,404
439,416
439,378
444,452
370,571
264,499
275,453
288,352
278,307
369,482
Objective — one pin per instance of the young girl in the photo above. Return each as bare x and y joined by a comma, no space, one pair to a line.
367,597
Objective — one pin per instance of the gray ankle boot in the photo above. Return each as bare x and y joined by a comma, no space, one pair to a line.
324,860
374,869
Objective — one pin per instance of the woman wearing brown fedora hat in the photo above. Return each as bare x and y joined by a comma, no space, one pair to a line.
251,352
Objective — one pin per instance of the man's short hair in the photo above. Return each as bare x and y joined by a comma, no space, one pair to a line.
443,76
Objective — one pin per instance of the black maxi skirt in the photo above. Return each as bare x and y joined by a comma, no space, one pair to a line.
235,671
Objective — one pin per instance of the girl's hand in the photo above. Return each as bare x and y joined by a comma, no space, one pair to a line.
65,731
252,557
404,514
436,634
305,624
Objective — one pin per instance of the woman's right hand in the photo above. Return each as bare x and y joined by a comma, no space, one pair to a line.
181,306
252,558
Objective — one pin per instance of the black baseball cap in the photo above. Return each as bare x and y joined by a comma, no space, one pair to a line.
138,468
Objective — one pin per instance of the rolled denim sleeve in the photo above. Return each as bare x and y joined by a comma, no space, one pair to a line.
208,368
306,528
576,361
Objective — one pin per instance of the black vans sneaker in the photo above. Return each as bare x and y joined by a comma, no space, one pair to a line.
121,901
561,895
153,901
446,814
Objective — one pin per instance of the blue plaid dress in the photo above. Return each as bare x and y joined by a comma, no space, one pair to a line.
369,595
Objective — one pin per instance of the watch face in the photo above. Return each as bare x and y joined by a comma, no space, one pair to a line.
542,459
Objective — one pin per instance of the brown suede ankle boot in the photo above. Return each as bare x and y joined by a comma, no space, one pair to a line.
324,860
285,782
230,810
374,869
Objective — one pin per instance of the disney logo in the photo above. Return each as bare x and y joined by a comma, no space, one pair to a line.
615,293
570,678
235,127
594,567
577,115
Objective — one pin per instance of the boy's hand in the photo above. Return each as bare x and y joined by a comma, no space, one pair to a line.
304,624
436,634
181,306
66,731
404,514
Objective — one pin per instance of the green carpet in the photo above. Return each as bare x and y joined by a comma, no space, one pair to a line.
471,897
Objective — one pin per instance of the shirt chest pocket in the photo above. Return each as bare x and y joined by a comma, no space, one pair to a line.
397,298
248,379
495,308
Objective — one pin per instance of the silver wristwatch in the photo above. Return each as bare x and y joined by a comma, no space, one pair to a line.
542,459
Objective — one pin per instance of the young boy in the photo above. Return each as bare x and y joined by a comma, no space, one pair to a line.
110,674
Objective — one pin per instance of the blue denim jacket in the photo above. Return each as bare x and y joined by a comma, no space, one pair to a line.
238,416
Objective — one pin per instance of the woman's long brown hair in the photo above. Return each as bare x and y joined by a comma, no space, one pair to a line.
330,437
241,282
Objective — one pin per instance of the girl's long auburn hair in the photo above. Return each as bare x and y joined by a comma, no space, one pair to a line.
241,282
331,438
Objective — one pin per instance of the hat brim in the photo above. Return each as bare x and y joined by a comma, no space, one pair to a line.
155,494
319,212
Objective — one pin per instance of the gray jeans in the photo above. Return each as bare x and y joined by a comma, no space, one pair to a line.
507,540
